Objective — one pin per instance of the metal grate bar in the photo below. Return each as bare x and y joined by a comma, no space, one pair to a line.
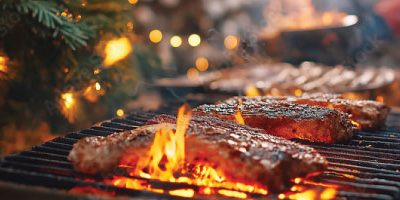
365,168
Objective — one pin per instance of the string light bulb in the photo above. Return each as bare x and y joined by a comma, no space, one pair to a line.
116,50
119,112
231,42
3,64
175,41
97,86
202,64
155,36
68,99
194,40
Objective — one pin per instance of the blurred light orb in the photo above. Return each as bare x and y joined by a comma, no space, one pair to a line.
350,20
68,99
133,2
194,40
97,86
231,42
120,112
116,50
155,36
192,74
202,64
3,64
175,41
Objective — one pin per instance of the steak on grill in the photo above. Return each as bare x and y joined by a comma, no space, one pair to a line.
369,114
287,120
240,152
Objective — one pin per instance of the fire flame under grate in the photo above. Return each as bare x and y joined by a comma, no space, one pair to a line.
367,167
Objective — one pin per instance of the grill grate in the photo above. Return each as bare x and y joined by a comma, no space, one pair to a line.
367,167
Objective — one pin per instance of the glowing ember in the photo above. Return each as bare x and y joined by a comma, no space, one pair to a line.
182,192
231,193
356,124
165,161
380,99
298,92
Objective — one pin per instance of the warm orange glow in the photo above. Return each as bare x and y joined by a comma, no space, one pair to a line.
182,192
168,150
194,40
116,50
175,41
68,100
155,36
129,26
239,118
96,71
380,99
97,86
119,112
133,1
192,74
252,91
165,161
3,64
231,42
297,180
69,106
328,193
298,92
356,124
352,95
202,64
306,195
231,193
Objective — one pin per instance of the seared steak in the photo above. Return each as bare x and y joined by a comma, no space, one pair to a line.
287,120
368,114
241,153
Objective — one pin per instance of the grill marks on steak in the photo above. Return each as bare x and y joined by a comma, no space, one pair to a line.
240,152
286,120
369,114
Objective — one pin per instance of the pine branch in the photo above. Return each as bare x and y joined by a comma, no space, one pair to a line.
45,12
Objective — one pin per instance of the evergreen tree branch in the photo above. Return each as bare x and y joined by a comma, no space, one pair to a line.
47,13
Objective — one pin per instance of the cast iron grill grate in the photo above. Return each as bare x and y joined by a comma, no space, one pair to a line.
367,167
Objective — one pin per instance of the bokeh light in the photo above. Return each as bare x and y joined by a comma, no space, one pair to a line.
231,42
119,112
175,41
155,36
116,50
133,2
194,40
192,74
202,64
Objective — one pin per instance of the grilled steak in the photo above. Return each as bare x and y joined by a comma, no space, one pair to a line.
368,114
240,152
287,120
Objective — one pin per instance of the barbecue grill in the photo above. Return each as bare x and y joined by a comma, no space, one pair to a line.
367,167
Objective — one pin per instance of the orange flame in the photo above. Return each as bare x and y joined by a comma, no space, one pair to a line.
165,161
167,153
239,118
358,126
252,91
